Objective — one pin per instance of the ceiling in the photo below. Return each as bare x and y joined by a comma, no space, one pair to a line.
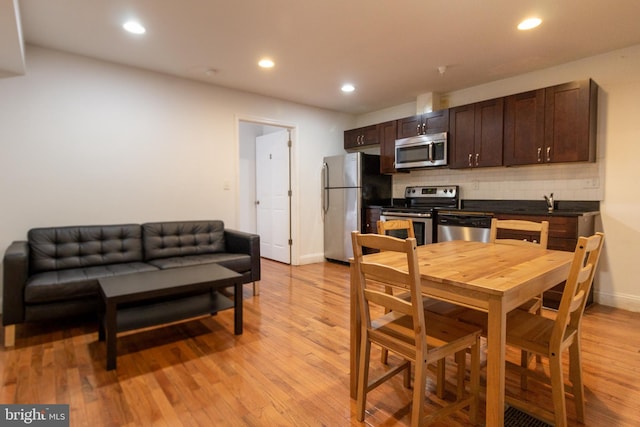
389,49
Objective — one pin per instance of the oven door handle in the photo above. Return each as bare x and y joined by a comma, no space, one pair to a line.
406,215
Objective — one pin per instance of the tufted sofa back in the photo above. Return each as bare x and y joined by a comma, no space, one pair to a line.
59,248
180,238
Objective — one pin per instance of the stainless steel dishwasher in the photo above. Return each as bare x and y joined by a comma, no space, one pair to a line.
460,225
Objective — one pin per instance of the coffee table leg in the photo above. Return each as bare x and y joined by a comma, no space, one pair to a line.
237,309
110,335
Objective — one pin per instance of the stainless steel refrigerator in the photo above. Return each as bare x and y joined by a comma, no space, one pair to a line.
350,183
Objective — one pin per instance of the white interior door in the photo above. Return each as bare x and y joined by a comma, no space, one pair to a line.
272,195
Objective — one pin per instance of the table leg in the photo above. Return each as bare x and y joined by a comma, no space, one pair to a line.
496,341
110,326
101,332
354,354
237,309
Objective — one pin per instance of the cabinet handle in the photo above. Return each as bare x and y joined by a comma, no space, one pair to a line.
423,128
418,129
539,154
548,154
470,160
477,155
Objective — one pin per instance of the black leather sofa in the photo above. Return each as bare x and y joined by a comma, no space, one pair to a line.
54,273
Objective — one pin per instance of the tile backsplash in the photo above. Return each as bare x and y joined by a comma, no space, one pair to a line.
570,181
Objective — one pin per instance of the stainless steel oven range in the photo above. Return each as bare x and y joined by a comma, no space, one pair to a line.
420,203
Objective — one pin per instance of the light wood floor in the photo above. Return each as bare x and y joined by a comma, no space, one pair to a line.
289,368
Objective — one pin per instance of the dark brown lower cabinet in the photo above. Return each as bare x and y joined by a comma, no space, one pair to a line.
563,235
370,219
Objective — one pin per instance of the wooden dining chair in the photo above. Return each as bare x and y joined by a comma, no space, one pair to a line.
539,234
402,228
550,337
407,331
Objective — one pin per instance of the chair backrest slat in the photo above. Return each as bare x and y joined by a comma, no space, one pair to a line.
388,301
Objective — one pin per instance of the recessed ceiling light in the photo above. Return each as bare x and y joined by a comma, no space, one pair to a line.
529,23
134,27
348,87
266,63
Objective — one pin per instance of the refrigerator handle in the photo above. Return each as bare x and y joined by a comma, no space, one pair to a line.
325,191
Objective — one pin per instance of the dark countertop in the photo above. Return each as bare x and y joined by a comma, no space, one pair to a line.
533,207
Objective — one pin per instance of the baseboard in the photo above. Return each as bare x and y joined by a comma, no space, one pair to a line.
311,259
622,301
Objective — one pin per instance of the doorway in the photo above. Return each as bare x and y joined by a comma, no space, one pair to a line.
265,191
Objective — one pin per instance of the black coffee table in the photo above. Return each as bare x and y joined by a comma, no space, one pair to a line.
138,300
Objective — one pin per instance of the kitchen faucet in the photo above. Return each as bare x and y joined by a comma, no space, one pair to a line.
549,202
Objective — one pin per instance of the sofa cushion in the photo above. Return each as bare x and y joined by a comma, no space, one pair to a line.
60,248
76,282
240,263
182,238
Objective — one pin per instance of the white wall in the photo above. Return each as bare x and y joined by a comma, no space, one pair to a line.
612,179
89,142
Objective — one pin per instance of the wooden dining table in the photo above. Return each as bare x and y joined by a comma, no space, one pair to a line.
491,277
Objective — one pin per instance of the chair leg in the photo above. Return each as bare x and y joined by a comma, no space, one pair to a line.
384,356
441,367
539,313
461,360
256,289
575,374
419,393
474,383
363,377
525,357
557,390
407,375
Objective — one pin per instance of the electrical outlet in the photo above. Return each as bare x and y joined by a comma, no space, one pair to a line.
475,184
226,185
592,183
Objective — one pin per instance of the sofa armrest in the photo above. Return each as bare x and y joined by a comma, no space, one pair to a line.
245,243
15,265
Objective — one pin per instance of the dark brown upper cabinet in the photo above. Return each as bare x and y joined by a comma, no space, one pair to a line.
524,128
476,134
361,137
552,125
422,124
387,132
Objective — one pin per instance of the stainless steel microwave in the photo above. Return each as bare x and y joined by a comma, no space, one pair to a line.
421,151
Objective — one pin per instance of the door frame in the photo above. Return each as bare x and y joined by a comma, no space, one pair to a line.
293,198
